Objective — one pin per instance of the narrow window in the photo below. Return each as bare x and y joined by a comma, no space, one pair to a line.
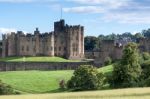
27,48
22,48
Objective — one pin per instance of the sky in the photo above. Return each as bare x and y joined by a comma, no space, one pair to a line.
97,16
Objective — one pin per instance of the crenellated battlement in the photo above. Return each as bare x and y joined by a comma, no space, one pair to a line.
65,41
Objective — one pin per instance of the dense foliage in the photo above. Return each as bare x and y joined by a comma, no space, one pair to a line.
146,73
108,61
86,78
127,72
92,42
146,56
146,33
5,89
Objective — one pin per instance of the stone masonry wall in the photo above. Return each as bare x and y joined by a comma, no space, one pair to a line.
19,66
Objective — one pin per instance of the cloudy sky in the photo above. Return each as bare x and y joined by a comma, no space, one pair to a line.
98,16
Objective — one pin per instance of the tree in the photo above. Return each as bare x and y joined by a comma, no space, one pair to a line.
86,78
90,42
138,36
127,72
146,33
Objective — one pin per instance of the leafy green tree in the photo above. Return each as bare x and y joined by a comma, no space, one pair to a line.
127,72
90,43
86,78
138,36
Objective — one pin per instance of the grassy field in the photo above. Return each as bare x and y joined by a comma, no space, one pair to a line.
39,81
132,93
36,59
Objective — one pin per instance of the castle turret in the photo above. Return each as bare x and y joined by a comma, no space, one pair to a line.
37,41
4,45
12,44
59,26
75,44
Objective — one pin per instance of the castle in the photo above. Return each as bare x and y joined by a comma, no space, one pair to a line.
114,49
65,41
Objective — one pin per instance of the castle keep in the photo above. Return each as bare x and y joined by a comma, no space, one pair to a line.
65,41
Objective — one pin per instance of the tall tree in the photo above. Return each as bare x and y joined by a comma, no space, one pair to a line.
127,72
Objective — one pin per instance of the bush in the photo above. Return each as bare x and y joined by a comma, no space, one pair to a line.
146,69
108,61
146,56
86,78
5,89
62,84
145,77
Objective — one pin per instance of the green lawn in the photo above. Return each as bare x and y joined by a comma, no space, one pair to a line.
36,59
39,81
131,93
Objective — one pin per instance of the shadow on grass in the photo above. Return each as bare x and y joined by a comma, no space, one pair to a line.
8,59
57,91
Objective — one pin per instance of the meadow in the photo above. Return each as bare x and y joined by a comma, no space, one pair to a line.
36,59
39,81
130,93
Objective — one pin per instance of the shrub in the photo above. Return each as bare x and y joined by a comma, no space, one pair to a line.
5,89
86,78
146,69
145,77
108,61
127,72
62,84
146,56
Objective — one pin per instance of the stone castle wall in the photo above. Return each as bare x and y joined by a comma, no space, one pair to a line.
108,48
66,41
16,66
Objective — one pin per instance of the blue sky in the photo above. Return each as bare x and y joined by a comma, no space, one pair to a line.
98,16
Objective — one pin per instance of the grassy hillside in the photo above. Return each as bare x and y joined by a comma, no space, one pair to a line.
39,81
36,59
132,93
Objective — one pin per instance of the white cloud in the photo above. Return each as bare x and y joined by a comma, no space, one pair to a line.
84,9
121,11
7,30
112,3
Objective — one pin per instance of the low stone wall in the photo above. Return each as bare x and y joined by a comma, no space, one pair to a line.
19,66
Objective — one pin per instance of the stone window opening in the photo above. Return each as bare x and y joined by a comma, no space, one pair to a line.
59,48
65,49
55,48
47,48
27,48
51,48
77,38
22,48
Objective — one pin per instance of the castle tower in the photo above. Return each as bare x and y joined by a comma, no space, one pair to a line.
60,38
52,44
66,41
75,44
11,44
4,46
37,41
